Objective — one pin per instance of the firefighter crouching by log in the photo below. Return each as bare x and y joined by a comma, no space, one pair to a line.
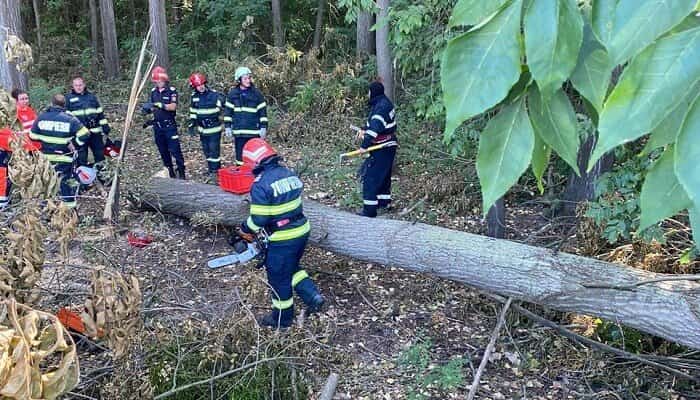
380,129
245,115
276,210
205,109
60,135
163,105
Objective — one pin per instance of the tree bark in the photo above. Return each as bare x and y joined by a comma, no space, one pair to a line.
384,58
582,188
496,220
10,22
156,12
109,36
319,24
37,21
94,27
558,280
364,35
277,30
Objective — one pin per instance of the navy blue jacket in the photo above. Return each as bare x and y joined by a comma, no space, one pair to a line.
205,109
276,203
88,110
55,129
159,98
381,122
246,111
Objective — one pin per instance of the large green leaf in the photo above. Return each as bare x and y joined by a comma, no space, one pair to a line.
603,19
591,77
540,158
667,131
553,33
650,88
505,150
637,23
694,213
554,120
473,12
479,67
688,153
662,194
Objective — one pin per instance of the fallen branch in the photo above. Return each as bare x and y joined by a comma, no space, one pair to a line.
644,282
329,388
415,205
489,349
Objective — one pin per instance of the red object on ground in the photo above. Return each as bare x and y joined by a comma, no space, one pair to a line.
112,151
236,179
139,239
7,136
71,320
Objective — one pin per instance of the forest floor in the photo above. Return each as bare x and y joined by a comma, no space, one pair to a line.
388,333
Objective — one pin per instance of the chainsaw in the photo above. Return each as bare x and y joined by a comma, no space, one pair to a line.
243,252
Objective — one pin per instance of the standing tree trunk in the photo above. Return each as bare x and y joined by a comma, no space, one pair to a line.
582,188
319,24
384,59
496,220
10,23
37,21
156,11
94,29
277,31
364,35
109,35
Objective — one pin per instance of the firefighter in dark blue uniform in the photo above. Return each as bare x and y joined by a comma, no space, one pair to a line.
86,107
205,109
380,129
245,115
61,135
163,104
276,208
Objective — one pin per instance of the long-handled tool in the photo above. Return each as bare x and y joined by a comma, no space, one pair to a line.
369,149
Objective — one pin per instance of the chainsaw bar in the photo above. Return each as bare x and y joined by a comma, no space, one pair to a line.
224,261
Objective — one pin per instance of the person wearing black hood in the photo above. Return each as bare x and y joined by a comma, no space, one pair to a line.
379,129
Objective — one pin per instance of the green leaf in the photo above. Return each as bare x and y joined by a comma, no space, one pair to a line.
553,34
555,122
479,67
694,213
688,153
591,77
603,19
540,158
667,131
662,194
473,12
505,151
638,23
650,88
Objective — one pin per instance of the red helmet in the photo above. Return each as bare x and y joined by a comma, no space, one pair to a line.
256,150
197,79
159,74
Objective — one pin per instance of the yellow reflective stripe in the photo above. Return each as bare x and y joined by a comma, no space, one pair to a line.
228,119
193,116
96,130
263,119
258,209
70,204
82,133
58,158
206,131
282,304
246,131
103,121
261,105
175,137
230,105
192,110
49,139
298,277
158,105
252,225
214,159
245,109
204,110
86,111
290,234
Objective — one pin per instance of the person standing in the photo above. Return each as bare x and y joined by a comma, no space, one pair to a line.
205,109
163,105
25,113
245,115
85,106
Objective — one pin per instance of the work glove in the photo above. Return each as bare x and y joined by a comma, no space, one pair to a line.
263,133
191,130
146,108
228,133
248,237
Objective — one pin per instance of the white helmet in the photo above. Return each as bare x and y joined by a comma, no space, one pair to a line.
240,71
86,175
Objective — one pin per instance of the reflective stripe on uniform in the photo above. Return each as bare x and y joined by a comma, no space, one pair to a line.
204,110
370,202
214,159
96,130
228,119
82,133
175,137
282,304
103,121
252,225
371,133
206,131
70,204
245,109
258,209
289,234
58,158
246,131
49,139
263,119
193,116
261,105
85,111
298,277
384,196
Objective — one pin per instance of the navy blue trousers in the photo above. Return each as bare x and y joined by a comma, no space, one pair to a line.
211,145
376,180
168,143
68,187
239,142
95,142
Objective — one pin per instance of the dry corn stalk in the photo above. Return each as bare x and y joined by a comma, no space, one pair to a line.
114,307
36,361
8,113
18,52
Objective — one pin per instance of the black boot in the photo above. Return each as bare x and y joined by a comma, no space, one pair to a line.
181,173
316,304
277,319
171,172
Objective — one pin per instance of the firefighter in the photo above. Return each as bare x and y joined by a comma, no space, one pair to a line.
163,104
205,110
26,117
61,135
245,115
276,208
86,107
379,129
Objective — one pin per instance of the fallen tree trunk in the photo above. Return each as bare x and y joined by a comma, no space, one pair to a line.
669,309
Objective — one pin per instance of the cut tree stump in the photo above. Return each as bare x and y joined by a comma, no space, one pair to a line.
669,309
